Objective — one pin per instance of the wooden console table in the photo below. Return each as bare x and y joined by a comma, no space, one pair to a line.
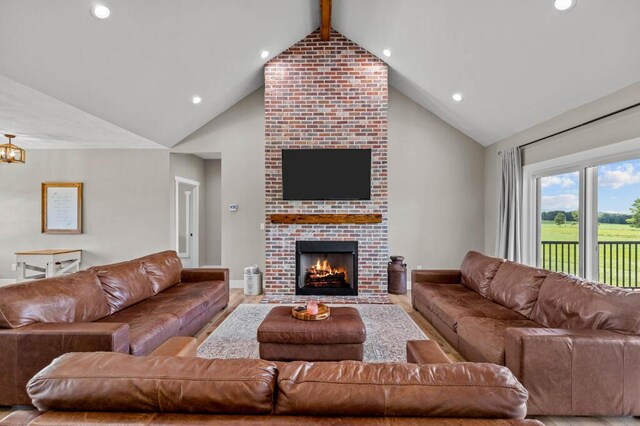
49,263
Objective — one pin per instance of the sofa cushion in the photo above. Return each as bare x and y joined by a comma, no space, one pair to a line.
211,291
486,335
146,332
186,302
163,269
72,298
478,271
450,308
569,302
352,388
102,381
124,283
426,292
516,286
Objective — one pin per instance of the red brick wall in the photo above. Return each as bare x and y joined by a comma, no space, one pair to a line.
326,95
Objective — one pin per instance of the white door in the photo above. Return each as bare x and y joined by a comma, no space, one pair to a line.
187,221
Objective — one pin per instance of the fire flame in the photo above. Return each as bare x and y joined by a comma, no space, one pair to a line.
323,268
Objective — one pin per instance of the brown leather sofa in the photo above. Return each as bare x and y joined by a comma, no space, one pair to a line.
109,388
129,307
573,344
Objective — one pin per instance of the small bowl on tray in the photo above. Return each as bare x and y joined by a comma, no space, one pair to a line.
301,313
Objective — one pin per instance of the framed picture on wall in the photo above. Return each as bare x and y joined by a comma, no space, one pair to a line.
61,208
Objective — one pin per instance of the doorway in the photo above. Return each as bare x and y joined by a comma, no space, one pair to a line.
187,196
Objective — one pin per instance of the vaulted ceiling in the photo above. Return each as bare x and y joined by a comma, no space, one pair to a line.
128,80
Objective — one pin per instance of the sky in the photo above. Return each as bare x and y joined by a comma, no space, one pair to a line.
618,187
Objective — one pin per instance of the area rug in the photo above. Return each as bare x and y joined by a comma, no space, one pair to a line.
388,329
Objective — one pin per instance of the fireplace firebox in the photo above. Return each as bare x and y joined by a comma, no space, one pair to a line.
327,268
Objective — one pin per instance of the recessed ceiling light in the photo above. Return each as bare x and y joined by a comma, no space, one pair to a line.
100,11
457,97
264,54
386,52
564,4
196,99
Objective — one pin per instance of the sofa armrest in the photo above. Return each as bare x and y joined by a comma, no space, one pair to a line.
437,276
26,350
576,372
425,352
205,274
180,346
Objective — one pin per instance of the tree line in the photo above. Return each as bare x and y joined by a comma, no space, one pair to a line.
572,216
561,217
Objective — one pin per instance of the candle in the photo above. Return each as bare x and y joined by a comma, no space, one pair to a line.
312,307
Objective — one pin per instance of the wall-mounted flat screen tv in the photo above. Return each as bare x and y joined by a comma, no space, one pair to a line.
326,174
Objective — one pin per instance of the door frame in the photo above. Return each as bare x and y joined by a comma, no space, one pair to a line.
195,255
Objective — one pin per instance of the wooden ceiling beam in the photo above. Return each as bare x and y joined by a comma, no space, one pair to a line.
325,12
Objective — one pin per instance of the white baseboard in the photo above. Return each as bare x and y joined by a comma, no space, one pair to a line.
5,281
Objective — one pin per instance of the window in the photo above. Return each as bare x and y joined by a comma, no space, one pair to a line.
559,242
618,223
583,217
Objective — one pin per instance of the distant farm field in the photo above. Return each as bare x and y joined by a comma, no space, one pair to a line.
606,232
618,262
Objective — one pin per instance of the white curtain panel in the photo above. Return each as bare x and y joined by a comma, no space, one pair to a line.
509,243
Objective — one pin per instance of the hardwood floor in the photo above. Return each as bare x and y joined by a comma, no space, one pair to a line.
237,297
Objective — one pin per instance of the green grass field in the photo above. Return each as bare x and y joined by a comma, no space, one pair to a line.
618,264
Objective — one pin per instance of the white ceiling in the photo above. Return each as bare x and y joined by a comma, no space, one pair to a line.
517,62
139,68
42,122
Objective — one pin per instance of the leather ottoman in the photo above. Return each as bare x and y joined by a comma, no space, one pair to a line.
337,338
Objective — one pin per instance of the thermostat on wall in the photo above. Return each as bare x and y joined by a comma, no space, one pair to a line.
233,207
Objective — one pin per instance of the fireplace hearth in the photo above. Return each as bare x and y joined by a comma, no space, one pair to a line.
327,268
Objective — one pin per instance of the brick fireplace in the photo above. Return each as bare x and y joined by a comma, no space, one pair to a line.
327,267
326,94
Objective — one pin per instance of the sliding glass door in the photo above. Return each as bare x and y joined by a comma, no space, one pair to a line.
587,221
559,218
618,223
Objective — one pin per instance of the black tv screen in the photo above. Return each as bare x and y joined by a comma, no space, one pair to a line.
326,174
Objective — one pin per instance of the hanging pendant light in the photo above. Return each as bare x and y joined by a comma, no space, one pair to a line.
9,153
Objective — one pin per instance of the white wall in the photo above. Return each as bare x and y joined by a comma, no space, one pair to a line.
435,184
436,181
126,204
618,128
238,135
189,167
213,212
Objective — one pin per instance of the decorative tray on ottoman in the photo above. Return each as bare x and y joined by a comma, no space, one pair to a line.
323,313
